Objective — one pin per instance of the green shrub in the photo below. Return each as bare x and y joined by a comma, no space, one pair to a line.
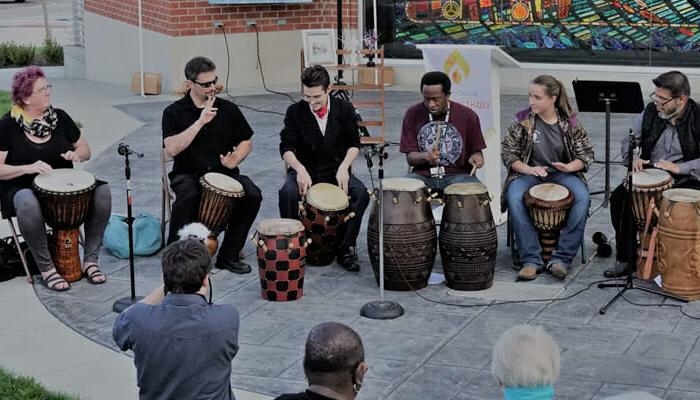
22,388
52,51
5,102
17,55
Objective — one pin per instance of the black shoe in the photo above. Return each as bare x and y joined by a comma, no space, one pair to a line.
348,260
619,270
237,267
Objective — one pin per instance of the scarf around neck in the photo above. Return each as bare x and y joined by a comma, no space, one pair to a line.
533,393
40,127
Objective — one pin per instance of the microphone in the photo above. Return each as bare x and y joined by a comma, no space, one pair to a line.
124,149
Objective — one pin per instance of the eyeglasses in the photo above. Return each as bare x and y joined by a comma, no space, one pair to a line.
660,100
45,90
207,84
317,97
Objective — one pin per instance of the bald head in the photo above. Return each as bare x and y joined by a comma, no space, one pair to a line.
333,352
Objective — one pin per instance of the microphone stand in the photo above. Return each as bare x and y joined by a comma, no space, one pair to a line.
123,303
632,242
381,309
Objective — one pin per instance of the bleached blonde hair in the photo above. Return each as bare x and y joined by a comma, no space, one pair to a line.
525,356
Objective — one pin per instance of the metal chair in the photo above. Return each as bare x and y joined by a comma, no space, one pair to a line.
166,195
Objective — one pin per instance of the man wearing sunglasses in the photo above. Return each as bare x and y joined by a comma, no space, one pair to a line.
668,132
205,133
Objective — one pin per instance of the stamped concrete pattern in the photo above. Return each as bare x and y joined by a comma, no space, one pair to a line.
440,348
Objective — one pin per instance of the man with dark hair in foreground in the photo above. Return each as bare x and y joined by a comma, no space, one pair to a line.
334,364
183,345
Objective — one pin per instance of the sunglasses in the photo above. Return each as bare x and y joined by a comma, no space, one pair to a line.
207,84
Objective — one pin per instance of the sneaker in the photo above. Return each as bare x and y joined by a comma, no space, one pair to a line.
528,272
559,270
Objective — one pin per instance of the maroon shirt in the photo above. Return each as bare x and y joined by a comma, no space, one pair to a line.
459,140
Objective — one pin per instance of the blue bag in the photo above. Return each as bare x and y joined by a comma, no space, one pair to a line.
147,235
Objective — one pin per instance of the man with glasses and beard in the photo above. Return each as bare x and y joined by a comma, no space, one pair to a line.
668,132
204,134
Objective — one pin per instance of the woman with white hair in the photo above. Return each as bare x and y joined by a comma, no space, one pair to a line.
525,363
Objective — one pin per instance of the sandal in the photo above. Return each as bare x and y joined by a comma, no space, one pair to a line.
90,276
52,281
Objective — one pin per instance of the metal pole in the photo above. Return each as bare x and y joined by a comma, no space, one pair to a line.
143,90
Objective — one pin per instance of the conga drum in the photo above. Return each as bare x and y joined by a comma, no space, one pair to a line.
548,204
647,185
281,259
410,236
678,256
468,239
219,193
323,213
65,195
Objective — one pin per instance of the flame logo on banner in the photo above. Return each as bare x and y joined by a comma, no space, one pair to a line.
456,67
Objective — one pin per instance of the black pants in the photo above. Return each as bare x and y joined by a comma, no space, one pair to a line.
618,200
186,205
359,199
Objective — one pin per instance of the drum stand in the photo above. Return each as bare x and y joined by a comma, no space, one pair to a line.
381,309
124,303
632,248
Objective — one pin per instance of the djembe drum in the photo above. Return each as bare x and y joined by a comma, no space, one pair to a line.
219,193
324,213
678,240
548,204
410,236
65,195
468,239
647,185
281,258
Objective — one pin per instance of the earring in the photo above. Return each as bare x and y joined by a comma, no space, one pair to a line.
356,387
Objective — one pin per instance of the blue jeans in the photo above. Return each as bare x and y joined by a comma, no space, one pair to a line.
439,185
526,236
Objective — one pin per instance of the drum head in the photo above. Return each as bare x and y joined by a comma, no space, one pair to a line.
403,184
280,226
682,195
466,188
222,182
65,180
650,178
549,192
327,197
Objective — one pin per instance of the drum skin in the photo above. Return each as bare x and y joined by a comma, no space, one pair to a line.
678,256
468,241
281,259
65,210
548,216
410,239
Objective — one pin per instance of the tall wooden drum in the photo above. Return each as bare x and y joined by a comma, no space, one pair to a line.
281,259
548,204
219,193
468,240
65,196
410,236
679,242
324,214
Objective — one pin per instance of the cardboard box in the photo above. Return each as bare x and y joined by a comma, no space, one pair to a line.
366,76
151,83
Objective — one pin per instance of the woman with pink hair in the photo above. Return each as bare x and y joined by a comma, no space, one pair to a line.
36,138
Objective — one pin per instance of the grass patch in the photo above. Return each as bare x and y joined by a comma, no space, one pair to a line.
14,387
5,102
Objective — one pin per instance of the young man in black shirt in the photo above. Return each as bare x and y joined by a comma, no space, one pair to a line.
205,133
319,142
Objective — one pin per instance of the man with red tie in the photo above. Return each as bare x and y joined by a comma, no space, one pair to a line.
319,142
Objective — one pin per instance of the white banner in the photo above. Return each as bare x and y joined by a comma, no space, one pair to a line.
470,69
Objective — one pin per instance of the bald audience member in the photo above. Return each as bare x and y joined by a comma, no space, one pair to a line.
334,364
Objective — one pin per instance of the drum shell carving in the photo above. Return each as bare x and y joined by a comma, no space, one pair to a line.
678,256
468,242
410,239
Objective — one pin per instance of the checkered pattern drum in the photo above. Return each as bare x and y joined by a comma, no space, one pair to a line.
281,259
324,214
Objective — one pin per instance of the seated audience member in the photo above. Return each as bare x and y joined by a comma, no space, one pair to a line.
525,363
334,364
183,345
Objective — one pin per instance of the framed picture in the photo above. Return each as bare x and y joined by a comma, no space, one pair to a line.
319,47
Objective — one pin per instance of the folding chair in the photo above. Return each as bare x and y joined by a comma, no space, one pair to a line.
166,195
15,241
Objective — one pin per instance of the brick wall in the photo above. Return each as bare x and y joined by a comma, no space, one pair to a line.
195,18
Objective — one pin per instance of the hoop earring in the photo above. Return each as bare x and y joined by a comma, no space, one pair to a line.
356,387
